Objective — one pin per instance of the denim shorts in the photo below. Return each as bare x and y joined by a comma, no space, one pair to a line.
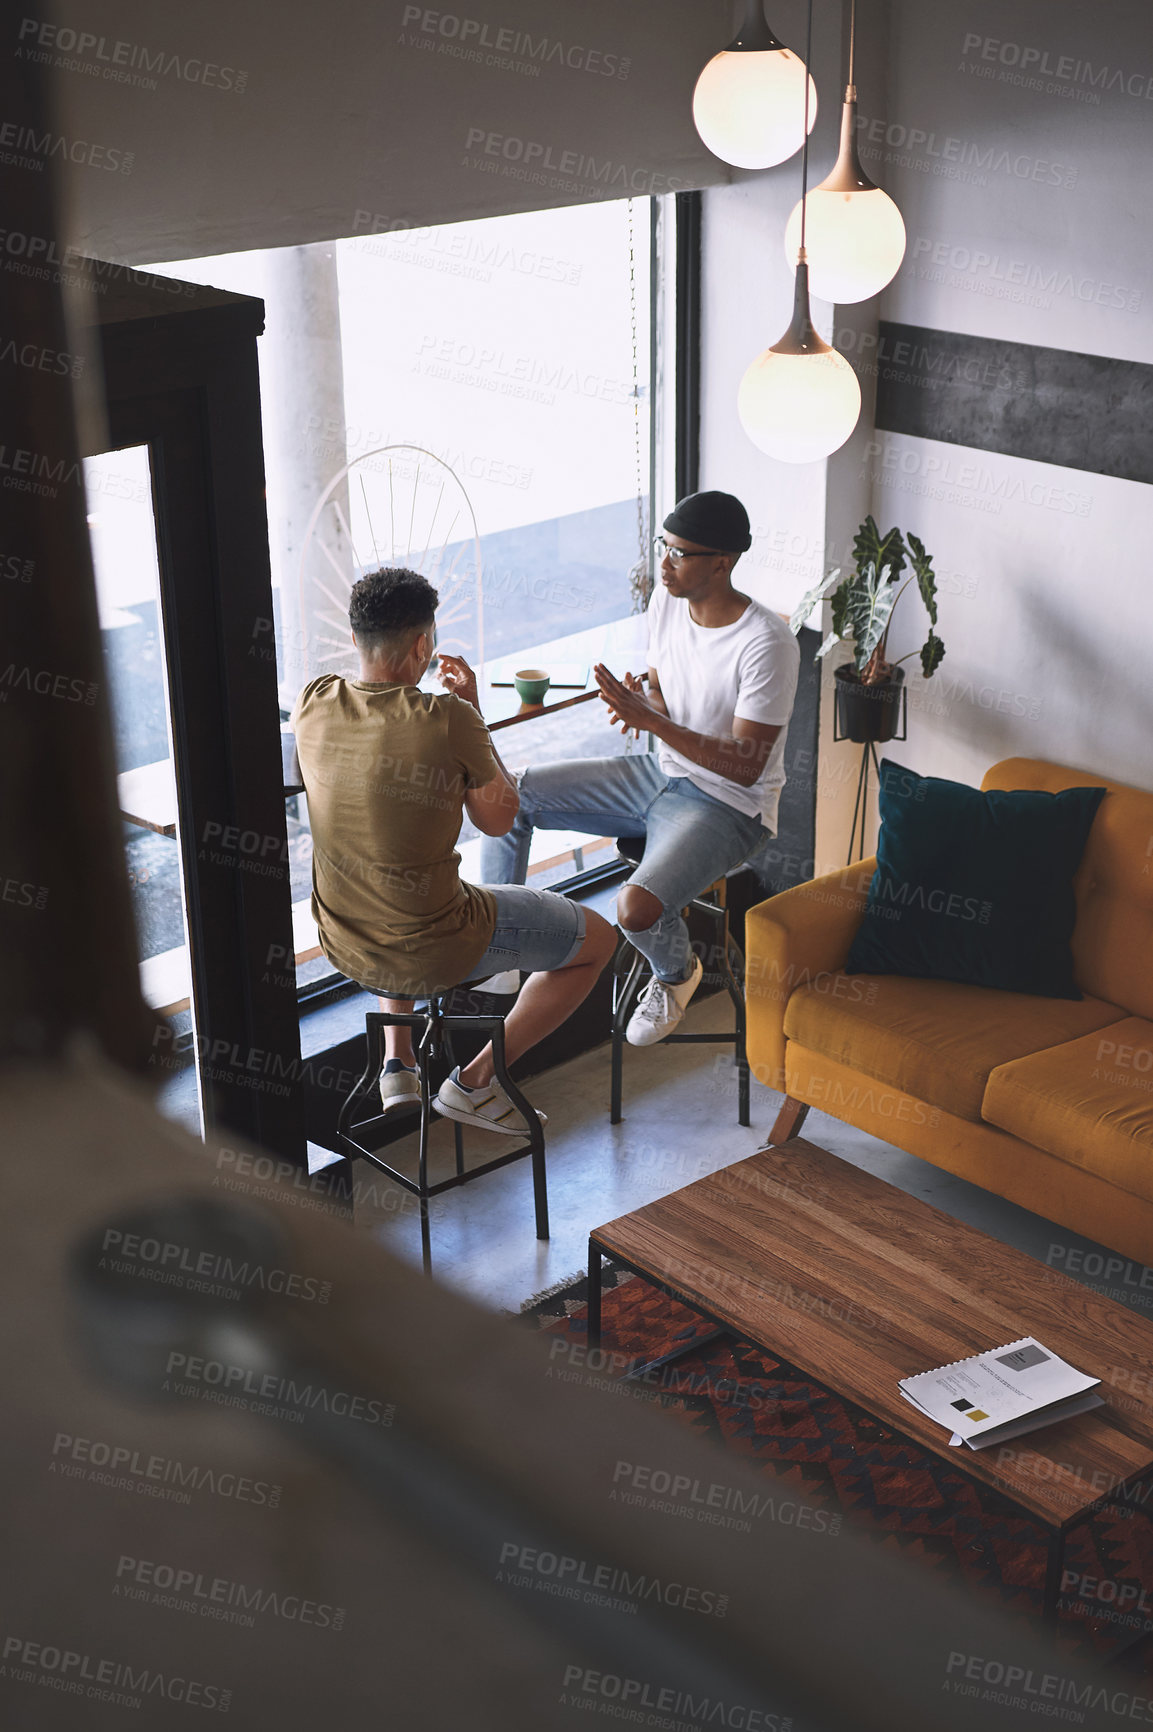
535,929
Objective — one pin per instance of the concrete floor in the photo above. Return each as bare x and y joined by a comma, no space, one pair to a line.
680,1123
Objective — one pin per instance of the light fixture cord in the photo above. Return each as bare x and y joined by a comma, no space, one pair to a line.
805,146
852,38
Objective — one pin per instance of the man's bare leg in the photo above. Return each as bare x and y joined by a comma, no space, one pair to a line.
546,999
398,1039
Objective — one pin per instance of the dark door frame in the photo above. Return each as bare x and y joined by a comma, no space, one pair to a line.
180,369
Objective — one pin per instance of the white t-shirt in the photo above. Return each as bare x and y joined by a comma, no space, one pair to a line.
710,675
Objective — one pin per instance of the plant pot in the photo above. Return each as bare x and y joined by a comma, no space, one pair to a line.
867,713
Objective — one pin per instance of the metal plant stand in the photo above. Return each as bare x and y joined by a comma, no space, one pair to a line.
868,756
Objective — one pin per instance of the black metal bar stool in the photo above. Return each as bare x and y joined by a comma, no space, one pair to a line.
630,971
434,1040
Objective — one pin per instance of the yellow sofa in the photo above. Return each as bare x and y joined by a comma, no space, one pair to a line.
1047,1102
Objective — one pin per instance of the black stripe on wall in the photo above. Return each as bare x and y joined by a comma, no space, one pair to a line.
1050,405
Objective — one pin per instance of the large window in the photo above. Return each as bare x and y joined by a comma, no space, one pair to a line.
515,350
474,400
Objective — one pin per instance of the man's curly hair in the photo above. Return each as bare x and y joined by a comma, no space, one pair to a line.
387,607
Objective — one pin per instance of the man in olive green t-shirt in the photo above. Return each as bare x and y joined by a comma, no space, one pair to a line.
389,772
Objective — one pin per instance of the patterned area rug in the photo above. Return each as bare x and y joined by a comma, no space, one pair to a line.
863,1473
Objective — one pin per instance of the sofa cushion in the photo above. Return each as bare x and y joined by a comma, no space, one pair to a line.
1087,1101
1113,937
974,886
935,1039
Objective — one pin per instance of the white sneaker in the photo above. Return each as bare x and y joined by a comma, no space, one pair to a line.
488,1108
661,1007
399,1090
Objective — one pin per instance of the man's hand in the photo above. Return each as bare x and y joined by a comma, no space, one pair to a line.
628,707
456,676
739,757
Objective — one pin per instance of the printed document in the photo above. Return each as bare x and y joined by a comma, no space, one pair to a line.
1002,1393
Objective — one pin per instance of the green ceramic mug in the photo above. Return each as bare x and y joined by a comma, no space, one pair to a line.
531,685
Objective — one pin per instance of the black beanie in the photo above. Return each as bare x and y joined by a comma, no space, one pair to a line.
712,520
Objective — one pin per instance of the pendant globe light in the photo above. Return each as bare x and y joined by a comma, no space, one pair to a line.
799,401
755,102
856,237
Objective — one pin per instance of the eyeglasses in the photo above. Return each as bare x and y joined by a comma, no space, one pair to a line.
665,549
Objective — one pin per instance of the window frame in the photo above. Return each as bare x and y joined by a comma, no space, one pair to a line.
673,451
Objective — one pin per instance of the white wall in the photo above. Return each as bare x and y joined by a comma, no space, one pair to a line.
804,515
1049,606
232,124
744,312
747,297
1027,218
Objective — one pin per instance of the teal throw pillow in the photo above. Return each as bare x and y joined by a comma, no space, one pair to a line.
974,886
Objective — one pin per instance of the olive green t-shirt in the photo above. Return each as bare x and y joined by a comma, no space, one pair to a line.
385,769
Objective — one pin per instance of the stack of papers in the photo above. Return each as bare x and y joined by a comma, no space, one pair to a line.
1002,1393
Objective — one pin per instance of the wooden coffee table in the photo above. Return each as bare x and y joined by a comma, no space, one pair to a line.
858,1285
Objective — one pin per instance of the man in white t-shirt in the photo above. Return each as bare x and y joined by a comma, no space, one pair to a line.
722,680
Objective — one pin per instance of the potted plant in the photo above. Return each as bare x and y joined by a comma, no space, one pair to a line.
868,688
